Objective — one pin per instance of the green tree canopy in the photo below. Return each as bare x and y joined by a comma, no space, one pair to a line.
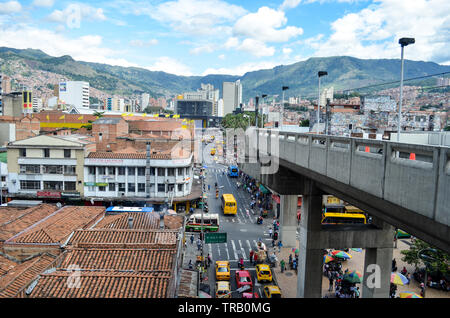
440,263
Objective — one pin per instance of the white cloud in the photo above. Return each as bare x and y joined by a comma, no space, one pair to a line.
221,56
86,48
10,7
170,65
43,3
140,43
207,48
75,12
241,69
289,4
266,25
256,48
196,17
287,50
374,31
231,43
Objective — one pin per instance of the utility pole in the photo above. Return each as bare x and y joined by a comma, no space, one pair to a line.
256,111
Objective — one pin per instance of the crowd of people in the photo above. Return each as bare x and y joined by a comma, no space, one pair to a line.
341,287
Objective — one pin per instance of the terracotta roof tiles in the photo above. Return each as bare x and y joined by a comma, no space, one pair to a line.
141,220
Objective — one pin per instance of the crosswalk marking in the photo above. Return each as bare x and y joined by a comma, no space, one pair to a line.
234,249
244,255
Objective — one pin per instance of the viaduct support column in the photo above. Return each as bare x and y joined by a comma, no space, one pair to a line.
309,284
378,264
288,220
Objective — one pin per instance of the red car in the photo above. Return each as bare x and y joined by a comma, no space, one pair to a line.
243,278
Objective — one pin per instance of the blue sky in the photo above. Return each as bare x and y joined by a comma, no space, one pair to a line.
200,37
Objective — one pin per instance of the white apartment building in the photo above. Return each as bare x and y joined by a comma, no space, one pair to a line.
74,93
145,99
37,104
117,176
232,96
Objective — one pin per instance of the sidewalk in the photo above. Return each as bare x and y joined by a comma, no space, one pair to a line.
287,281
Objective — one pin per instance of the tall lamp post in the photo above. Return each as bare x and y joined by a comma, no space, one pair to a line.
282,106
425,256
262,111
403,42
320,74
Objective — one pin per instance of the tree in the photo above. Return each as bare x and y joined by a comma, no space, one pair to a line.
304,123
98,114
447,128
441,262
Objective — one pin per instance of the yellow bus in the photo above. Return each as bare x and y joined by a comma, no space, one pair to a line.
229,205
353,209
343,218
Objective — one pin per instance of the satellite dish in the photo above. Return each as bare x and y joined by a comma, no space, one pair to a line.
58,205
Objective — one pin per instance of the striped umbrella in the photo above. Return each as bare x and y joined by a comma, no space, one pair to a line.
409,295
399,279
341,254
328,258
353,277
357,250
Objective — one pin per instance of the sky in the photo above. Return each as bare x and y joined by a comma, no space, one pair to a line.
201,37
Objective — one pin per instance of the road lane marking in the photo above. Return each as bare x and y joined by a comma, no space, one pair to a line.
234,249
243,251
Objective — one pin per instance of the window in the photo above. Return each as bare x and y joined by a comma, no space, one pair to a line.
121,171
53,185
130,170
46,153
102,189
171,172
30,169
112,171
102,171
53,169
92,171
112,187
180,171
131,187
171,187
67,153
121,187
141,171
180,187
3,178
70,186
161,172
141,187
23,152
30,185
152,171
161,187
71,170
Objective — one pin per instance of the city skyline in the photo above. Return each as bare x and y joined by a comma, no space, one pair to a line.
197,37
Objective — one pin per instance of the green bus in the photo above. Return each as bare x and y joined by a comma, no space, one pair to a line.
210,223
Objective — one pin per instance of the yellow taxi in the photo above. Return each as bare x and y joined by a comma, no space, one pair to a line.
223,290
263,273
222,270
272,291
213,151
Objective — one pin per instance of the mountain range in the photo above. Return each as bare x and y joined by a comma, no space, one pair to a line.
344,73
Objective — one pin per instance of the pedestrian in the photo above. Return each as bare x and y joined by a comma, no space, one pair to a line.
273,243
209,260
251,256
190,264
331,279
270,232
280,245
394,265
199,244
282,265
255,258
192,238
422,289
357,293
290,261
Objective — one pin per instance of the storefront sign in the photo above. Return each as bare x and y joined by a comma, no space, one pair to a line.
70,195
48,194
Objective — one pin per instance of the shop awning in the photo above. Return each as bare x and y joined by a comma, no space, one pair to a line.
263,189
276,198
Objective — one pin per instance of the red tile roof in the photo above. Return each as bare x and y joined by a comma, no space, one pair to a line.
116,155
56,227
103,285
121,259
23,274
14,220
141,220
5,265
113,238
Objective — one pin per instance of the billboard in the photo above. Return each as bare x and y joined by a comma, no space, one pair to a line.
62,87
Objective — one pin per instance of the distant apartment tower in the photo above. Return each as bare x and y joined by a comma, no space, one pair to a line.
37,104
74,93
145,99
232,96
5,88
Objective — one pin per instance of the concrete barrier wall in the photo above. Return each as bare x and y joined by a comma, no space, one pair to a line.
381,168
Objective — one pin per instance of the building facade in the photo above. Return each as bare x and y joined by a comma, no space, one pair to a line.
75,93
232,96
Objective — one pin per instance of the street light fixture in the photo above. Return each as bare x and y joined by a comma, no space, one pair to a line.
320,74
403,42
282,108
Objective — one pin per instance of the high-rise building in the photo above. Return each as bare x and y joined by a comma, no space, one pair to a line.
37,104
74,93
145,98
232,96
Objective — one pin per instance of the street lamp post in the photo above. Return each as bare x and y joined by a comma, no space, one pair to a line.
426,260
256,110
282,107
320,74
262,112
403,42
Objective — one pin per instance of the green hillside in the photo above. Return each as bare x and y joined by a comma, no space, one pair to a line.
344,72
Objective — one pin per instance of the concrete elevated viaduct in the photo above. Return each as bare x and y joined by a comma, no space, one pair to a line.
400,185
